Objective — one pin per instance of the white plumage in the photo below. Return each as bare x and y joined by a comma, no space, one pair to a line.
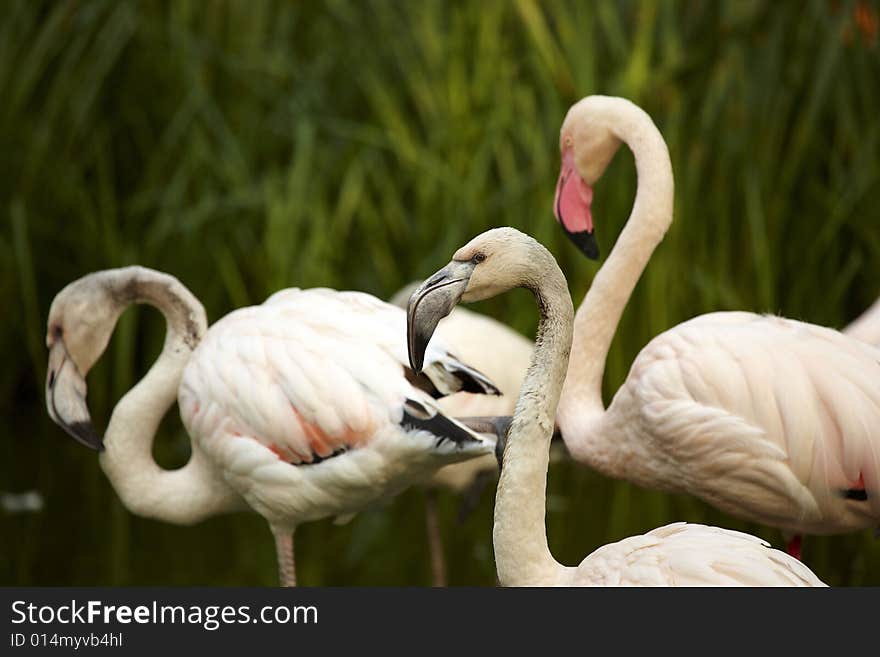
761,413
314,375
683,554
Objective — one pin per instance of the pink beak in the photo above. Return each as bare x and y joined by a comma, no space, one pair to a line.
572,206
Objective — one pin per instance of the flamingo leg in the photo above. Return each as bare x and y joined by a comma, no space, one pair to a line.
793,546
435,543
286,563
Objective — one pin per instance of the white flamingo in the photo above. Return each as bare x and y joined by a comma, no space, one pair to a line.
503,355
768,419
302,408
866,327
674,555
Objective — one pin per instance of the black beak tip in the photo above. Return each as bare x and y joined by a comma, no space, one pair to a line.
586,242
84,432
417,350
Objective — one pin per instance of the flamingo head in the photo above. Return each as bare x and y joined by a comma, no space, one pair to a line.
492,263
586,144
81,321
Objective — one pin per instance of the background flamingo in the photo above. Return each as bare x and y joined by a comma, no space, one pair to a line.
303,407
675,555
769,419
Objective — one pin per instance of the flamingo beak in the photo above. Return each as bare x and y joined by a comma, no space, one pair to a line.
572,207
66,397
431,302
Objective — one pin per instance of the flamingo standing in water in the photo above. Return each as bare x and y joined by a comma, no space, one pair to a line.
301,408
768,419
675,555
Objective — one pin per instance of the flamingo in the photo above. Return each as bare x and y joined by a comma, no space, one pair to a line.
768,419
866,327
679,554
503,355
301,408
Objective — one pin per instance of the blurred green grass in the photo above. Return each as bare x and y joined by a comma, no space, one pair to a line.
245,147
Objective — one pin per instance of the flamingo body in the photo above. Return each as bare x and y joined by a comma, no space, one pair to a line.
303,402
764,417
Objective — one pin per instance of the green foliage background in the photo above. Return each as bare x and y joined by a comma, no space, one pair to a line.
249,146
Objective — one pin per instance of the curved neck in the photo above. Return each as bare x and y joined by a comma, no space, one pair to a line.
522,556
599,314
196,490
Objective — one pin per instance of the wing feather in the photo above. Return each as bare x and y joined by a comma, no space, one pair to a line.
310,373
759,410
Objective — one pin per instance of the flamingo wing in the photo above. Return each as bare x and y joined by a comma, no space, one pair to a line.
314,373
764,412
496,350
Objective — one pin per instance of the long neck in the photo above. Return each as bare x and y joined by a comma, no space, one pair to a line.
196,490
597,318
522,556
